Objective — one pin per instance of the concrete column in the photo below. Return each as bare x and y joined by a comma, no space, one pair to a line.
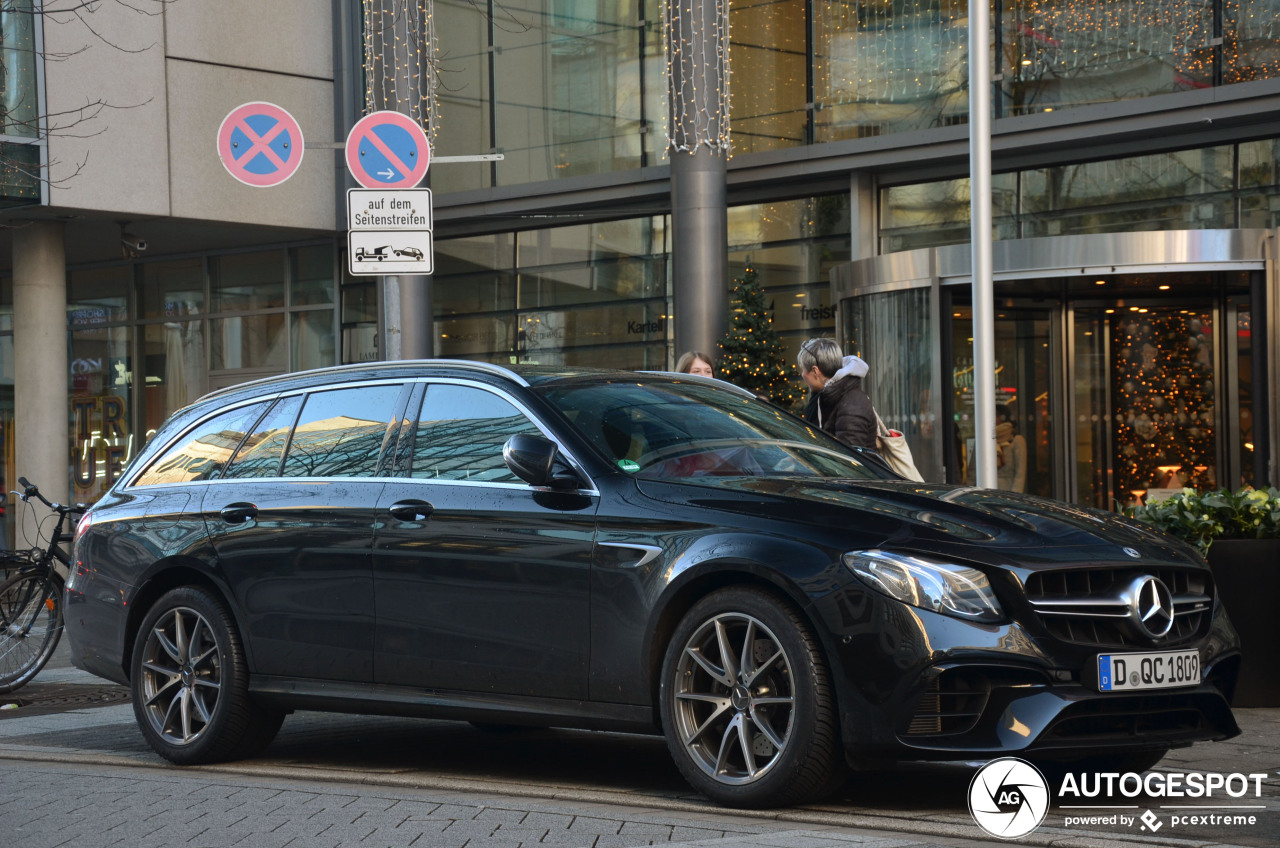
699,247
42,430
697,43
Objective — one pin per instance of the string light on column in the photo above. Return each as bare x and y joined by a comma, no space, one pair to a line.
400,51
696,48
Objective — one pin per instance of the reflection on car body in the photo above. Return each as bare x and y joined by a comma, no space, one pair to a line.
641,552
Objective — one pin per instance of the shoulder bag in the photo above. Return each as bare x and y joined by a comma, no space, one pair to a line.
893,447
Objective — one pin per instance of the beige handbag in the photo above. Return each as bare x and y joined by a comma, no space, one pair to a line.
895,450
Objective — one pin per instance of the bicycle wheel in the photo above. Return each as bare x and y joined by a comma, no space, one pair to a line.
30,625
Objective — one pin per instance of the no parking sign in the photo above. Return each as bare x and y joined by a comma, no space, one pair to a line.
260,144
388,150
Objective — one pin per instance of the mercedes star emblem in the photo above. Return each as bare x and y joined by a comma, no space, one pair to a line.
1151,606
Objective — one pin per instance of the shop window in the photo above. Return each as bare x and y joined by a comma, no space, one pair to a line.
1183,190
246,281
340,433
311,339
172,288
311,275
249,341
102,378
934,214
591,294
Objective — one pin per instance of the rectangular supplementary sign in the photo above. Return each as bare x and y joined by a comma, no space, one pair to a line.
388,209
389,252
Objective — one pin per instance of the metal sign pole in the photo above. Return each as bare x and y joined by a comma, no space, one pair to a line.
984,362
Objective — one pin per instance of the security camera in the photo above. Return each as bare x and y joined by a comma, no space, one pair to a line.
132,242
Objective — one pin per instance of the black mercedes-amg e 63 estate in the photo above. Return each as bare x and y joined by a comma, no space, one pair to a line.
627,551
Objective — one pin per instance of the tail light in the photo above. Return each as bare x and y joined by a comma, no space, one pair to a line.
85,521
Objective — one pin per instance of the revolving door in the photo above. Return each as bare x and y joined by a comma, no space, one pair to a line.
1113,385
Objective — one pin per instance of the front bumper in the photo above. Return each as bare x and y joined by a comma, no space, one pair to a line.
916,685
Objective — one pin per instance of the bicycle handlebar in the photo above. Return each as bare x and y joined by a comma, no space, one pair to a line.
30,490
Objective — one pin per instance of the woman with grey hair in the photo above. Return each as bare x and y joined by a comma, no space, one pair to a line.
837,402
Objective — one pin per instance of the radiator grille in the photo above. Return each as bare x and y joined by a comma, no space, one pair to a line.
1087,607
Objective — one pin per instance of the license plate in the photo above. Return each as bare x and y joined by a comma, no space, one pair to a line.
1132,672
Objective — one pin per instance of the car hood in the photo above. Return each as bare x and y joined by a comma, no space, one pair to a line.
986,525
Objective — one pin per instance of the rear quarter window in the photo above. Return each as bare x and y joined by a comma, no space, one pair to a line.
203,452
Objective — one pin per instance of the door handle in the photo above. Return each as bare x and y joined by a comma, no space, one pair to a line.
238,513
411,510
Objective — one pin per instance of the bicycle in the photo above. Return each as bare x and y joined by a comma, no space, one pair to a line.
31,598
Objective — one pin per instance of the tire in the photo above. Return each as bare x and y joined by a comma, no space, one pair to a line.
751,728
190,683
30,626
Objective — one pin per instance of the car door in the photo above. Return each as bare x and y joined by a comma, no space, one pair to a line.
482,582
291,522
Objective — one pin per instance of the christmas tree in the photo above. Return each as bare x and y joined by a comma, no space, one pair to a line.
751,354
1164,412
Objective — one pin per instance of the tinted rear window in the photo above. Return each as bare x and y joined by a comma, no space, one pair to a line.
340,432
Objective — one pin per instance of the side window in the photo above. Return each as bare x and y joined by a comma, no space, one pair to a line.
340,432
204,451
460,434
260,454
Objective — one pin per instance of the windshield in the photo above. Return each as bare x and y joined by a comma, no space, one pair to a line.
678,429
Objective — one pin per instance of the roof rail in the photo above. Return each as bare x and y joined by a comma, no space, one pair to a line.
464,364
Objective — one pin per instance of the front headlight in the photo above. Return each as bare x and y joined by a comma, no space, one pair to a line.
944,587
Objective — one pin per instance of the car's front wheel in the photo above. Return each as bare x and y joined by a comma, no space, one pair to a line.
747,704
190,683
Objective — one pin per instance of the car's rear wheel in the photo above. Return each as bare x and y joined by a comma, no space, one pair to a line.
190,683
747,704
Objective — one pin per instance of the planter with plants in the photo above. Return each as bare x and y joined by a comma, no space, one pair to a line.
1239,534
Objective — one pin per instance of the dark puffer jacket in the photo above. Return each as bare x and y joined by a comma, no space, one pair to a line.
844,410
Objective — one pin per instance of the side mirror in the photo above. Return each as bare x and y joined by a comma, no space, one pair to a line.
536,460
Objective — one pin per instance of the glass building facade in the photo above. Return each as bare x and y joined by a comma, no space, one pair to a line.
565,88
846,147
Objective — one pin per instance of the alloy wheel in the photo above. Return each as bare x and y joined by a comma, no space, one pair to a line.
734,699
181,676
